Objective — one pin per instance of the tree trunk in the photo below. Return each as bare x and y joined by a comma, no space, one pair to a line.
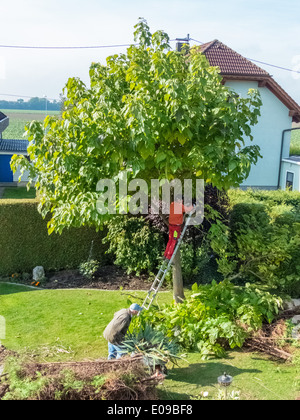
178,292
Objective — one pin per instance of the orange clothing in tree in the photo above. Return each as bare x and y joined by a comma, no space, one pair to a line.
177,209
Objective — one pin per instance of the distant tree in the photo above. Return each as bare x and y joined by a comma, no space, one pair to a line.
36,103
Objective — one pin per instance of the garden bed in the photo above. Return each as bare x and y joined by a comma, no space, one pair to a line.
109,277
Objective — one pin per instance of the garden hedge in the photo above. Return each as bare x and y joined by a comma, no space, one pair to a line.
271,198
25,243
263,241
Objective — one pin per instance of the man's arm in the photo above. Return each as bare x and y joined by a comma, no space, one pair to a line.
187,208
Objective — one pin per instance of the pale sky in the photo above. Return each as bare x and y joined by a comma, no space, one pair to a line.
264,30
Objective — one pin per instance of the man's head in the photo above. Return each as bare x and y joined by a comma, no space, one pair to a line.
135,309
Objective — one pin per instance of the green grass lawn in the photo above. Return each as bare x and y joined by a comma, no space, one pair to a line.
255,377
68,324
72,318
18,192
295,143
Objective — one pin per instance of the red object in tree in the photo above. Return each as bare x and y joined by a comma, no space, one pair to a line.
174,234
177,209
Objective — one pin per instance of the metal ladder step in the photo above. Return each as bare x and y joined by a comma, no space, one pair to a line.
164,269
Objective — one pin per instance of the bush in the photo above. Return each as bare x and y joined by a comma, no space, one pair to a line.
136,245
244,213
25,243
270,198
262,241
214,317
89,268
197,263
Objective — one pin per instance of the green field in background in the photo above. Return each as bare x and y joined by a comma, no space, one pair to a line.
18,118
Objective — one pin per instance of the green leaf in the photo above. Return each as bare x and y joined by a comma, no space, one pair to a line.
160,156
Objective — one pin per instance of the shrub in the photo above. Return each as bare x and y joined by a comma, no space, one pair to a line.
270,198
25,243
155,347
197,264
261,242
214,316
89,268
136,245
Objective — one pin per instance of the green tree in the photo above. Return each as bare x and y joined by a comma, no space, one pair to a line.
152,112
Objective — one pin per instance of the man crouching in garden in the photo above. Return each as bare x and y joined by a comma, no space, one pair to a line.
116,330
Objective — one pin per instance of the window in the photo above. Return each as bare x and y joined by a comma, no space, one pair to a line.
289,180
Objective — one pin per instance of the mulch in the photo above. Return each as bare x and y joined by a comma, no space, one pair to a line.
272,339
109,277
140,386
83,369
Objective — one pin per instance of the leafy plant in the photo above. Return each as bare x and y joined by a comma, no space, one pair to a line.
136,245
156,348
260,244
152,113
21,387
68,384
89,268
214,317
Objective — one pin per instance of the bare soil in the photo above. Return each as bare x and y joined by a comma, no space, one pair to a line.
109,277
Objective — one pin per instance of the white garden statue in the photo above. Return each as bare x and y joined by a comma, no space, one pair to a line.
38,273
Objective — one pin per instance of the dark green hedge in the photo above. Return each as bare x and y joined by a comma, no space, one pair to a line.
25,243
239,211
264,242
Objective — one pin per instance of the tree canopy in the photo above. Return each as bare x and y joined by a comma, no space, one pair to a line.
152,112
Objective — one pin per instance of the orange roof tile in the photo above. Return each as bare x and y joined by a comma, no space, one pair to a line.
234,66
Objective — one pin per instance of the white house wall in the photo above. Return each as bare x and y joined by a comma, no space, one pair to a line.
294,167
267,134
24,178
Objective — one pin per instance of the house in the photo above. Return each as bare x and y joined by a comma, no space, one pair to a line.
277,169
4,121
9,147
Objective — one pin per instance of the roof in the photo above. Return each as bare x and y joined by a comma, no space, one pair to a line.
229,61
4,122
233,66
2,116
293,159
14,146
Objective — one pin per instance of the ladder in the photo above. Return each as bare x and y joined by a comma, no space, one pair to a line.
165,268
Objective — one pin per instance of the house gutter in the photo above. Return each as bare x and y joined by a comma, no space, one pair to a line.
281,151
